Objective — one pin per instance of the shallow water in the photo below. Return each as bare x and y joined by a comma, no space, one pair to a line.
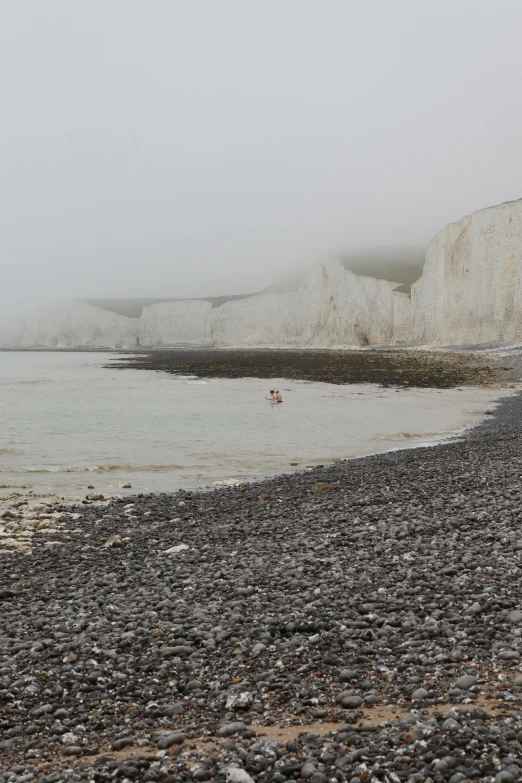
67,422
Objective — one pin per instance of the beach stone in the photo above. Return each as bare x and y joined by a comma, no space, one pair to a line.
174,550
73,750
124,485
348,674
114,541
230,728
466,682
180,650
121,743
239,701
172,738
515,618
173,709
307,770
129,771
450,724
321,487
349,701
238,776
201,772
44,709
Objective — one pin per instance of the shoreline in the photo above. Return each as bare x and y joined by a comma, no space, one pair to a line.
386,583
409,365
54,499
15,493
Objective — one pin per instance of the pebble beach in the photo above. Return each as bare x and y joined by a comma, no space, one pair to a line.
358,621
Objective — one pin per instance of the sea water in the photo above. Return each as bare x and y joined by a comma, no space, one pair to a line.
67,423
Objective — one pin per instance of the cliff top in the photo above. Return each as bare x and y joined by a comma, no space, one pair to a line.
133,307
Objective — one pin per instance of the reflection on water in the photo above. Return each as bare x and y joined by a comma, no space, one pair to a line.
68,423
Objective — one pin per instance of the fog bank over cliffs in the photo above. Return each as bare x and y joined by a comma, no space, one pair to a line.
470,291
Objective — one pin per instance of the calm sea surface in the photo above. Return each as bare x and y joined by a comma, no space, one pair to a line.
66,422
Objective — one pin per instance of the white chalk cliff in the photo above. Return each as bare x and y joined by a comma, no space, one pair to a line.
316,305
471,286
176,323
72,324
470,291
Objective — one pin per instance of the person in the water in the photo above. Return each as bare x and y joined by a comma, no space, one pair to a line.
272,396
278,397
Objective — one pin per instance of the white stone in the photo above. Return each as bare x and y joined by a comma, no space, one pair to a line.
239,701
69,738
238,776
175,549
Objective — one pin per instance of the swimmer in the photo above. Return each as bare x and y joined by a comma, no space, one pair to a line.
272,396
278,397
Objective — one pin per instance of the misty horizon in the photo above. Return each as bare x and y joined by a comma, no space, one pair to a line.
192,150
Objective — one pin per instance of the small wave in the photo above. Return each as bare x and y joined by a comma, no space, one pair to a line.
405,435
134,468
100,469
195,383
30,381
9,451
185,377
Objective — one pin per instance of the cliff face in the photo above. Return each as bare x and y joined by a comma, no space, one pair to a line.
74,325
470,290
294,311
318,305
176,323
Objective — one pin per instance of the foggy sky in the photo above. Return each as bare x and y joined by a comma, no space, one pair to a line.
196,147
